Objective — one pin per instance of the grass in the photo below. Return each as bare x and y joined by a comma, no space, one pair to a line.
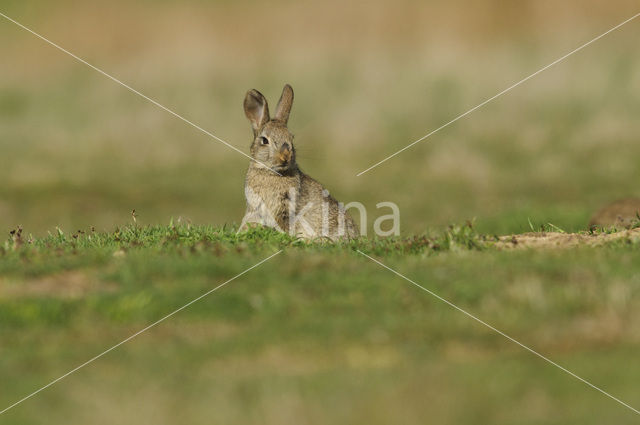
317,334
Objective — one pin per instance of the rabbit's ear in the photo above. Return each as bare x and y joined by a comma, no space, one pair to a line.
256,109
284,104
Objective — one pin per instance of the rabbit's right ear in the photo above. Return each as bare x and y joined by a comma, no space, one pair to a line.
256,109
284,104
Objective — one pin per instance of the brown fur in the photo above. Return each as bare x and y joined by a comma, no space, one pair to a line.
276,188
622,213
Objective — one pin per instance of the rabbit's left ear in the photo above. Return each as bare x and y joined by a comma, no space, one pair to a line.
284,104
256,109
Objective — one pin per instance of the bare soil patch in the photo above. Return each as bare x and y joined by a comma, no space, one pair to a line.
547,240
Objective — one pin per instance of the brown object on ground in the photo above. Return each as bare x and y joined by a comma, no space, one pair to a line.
546,240
620,214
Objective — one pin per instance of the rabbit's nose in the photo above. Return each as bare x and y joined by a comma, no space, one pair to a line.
285,152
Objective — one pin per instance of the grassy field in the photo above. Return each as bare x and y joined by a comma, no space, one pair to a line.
318,334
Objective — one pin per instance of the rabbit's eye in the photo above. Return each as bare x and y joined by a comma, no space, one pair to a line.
264,141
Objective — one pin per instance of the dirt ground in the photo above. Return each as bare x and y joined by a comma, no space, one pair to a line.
564,240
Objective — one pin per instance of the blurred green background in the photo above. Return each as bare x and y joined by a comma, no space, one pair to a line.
370,77
317,335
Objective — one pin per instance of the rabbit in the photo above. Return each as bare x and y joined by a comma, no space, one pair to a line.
277,192
622,213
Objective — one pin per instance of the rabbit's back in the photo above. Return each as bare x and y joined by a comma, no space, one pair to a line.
323,212
621,213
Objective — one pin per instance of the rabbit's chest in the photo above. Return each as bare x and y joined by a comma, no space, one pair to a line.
277,202
273,203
